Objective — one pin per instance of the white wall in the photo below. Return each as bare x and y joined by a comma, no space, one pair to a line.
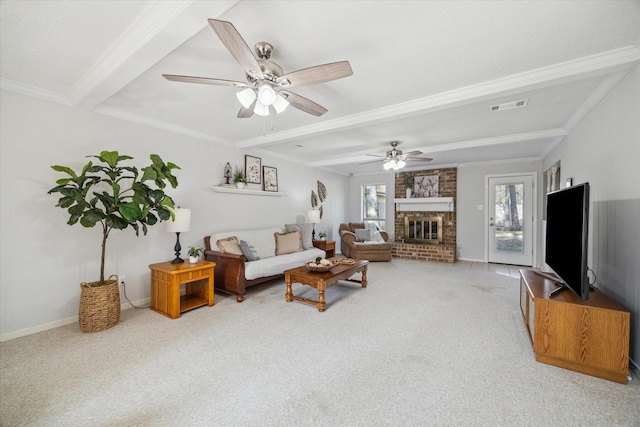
43,260
604,150
471,193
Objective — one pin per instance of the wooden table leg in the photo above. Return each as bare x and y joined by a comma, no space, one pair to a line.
288,295
322,306
364,277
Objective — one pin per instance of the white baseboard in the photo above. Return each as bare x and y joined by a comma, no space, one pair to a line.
62,322
471,260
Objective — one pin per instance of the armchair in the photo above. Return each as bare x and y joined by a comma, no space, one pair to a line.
352,248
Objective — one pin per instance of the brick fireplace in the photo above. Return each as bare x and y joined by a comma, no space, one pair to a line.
414,229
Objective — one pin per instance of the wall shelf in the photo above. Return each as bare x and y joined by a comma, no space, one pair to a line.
247,192
425,204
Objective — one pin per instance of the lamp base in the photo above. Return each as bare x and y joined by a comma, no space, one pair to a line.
177,260
177,248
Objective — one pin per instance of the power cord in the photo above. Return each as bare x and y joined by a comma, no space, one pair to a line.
124,291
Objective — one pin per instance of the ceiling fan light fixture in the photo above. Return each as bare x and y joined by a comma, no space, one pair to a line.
266,95
261,109
280,104
400,164
246,97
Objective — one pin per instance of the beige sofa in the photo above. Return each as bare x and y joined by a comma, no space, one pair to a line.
362,249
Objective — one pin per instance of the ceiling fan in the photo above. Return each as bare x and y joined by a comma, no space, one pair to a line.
267,86
395,159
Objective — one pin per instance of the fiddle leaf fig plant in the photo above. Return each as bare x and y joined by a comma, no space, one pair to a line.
115,195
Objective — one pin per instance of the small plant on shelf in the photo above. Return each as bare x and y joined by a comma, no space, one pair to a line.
239,176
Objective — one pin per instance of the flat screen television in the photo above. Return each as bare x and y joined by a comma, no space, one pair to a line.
566,239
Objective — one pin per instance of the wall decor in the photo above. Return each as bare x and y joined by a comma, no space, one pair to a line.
252,169
426,186
314,199
322,191
270,177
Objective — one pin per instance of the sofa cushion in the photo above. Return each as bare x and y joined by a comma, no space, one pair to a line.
261,239
248,251
276,265
305,229
287,243
229,245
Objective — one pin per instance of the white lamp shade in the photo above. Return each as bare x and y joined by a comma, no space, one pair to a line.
246,97
313,216
280,104
266,94
182,221
261,109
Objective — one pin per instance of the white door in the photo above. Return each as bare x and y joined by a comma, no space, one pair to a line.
510,219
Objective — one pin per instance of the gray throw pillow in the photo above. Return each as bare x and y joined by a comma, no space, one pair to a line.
248,251
305,230
362,234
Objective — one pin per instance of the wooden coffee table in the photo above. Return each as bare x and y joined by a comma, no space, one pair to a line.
321,281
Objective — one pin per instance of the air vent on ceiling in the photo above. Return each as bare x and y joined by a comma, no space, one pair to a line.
510,105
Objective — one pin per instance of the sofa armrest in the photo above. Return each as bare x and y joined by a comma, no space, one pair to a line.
229,271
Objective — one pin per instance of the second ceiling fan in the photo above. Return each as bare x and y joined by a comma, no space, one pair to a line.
267,86
395,159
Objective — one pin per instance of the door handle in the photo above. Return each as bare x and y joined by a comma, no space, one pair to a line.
491,224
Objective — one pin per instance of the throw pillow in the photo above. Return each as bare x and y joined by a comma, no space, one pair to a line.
229,245
377,237
248,251
305,229
362,234
288,243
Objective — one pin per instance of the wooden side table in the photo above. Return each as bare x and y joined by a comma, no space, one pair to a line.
329,246
166,279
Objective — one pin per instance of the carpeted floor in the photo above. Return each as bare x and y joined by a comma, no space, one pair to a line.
424,344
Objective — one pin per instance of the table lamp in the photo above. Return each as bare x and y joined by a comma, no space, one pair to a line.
313,217
180,224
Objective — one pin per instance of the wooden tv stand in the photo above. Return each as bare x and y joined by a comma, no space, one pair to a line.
590,336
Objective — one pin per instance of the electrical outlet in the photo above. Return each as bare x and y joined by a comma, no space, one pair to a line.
122,280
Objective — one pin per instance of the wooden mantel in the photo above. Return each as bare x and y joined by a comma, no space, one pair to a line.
425,204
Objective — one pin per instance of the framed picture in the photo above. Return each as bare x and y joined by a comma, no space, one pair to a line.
270,176
426,186
252,169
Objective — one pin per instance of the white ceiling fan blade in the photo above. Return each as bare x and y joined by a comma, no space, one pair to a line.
304,104
318,74
236,45
203,80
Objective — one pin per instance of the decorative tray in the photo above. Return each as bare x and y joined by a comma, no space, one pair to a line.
312,266
349,261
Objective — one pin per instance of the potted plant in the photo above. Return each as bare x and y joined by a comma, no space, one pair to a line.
194,253
239,178
322,235
116,197
408,180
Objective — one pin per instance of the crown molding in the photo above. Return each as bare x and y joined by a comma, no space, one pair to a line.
607,62
158,124
35,92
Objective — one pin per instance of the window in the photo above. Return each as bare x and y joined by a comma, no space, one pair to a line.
374,204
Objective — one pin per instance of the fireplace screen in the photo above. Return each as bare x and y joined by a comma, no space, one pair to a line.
422,229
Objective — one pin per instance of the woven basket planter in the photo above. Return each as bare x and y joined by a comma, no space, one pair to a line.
99,305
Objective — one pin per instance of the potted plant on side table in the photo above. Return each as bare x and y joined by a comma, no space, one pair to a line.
194,254
116,197
322,235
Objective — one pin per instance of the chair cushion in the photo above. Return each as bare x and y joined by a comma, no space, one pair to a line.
362,234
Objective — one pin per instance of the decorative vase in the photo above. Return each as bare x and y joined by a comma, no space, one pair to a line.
408,192
193,259
240,185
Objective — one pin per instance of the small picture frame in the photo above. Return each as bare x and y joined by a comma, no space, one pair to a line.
252,169
270,178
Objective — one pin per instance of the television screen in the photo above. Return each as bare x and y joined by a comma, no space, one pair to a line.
566,240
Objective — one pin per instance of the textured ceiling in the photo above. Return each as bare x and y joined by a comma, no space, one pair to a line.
424,73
